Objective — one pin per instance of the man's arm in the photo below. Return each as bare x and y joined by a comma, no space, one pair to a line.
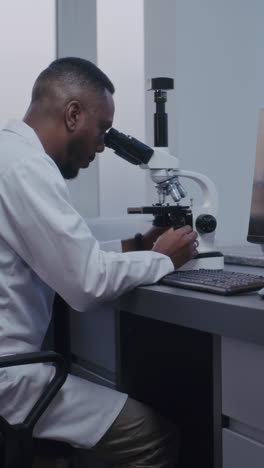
180,244
48,234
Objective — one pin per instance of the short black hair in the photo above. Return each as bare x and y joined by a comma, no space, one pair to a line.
74,70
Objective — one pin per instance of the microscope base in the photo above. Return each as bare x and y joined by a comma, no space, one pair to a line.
210,262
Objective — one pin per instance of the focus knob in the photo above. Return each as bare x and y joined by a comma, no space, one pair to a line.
205,223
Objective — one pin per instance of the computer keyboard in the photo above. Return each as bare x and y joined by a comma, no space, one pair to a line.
224,282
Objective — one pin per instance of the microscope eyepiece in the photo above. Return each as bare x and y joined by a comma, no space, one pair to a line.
127,147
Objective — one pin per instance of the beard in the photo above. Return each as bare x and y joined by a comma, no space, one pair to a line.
69,169
68,172
77,157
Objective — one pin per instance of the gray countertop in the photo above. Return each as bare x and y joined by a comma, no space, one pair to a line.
250,254
240,316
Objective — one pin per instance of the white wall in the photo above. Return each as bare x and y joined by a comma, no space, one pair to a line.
27,45
219,90
120,54
109,33
160,53
213,49
77,37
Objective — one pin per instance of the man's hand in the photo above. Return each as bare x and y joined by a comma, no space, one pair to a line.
150,237
180,245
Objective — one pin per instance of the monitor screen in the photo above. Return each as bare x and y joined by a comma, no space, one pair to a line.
256,221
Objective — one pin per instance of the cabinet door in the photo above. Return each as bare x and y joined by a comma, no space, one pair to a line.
241,452
243,382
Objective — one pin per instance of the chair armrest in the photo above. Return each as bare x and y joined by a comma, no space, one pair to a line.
53,386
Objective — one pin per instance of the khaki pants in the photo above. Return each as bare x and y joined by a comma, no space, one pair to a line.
139,438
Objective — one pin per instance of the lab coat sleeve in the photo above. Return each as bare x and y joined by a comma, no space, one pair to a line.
42,227
111,245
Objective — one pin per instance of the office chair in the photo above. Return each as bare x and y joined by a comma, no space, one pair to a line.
18,448
17,445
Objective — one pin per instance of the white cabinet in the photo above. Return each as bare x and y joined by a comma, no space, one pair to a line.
243,382
243,403
241,452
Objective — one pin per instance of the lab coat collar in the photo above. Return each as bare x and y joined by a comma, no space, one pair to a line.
21,128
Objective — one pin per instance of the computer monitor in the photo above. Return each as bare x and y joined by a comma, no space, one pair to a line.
256,221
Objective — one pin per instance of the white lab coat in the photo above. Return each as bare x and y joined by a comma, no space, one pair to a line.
46,246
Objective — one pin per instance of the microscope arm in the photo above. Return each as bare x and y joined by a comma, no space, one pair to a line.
209,194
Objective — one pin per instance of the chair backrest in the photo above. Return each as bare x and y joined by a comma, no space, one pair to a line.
16,441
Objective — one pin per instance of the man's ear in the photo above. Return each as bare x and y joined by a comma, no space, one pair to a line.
72,115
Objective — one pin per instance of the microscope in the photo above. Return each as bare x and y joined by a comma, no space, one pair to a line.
165,173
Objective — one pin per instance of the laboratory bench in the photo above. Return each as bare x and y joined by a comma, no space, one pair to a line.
196,357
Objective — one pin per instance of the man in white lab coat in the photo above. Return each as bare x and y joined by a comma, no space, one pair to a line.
46,247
